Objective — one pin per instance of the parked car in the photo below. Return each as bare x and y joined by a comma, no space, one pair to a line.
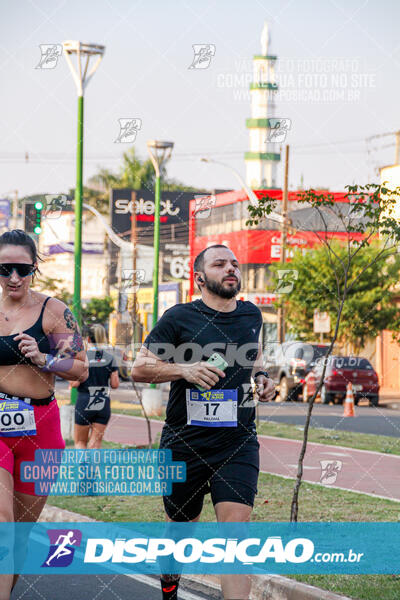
288,364
340,371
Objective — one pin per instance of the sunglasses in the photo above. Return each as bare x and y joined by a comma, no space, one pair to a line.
22,269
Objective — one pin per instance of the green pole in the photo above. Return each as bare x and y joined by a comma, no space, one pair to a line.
78,227
156,248
156,252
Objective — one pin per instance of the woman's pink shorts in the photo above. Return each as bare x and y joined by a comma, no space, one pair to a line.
15,450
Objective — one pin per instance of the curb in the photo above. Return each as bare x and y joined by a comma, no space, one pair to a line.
264,587
53,514
270,587
276,587
390,405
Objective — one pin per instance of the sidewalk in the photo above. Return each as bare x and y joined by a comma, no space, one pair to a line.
362,471
390,398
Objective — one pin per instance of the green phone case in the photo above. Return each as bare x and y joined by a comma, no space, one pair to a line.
217,361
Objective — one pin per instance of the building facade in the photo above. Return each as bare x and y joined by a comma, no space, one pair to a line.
56,243
257,247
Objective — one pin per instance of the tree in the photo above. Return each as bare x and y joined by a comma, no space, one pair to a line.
137,174
369,215
370,306
97,310
55,286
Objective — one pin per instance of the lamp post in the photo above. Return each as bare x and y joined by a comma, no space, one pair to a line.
250,194
160,153
81,75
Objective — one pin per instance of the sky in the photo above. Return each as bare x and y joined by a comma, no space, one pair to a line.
338,72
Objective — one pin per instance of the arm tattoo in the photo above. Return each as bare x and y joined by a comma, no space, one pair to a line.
70,319
71,323
77,342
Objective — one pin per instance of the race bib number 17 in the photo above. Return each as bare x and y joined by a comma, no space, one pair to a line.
16,418
212,408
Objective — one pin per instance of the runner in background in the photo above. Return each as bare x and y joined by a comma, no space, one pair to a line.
93,405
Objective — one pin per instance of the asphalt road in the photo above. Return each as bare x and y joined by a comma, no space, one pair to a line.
380,420
124,393
377,420
97,587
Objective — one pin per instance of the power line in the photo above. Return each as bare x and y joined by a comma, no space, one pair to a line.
69,156
379,135
66,158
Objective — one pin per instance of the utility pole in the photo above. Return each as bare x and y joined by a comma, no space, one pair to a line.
134,312
389,133
284,228
133,240
15,210
397,155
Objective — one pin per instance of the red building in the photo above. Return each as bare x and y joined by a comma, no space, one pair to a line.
221,219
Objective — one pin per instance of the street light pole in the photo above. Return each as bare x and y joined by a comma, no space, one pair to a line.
78,215
160,153
82,76
281,309
156,247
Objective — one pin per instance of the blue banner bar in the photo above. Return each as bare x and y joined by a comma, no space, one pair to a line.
251,548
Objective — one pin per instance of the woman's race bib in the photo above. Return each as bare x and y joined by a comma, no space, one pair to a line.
212,408
16,418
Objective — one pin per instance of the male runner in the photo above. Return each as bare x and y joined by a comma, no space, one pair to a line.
217,439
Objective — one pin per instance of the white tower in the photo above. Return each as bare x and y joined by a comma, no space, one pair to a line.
262,159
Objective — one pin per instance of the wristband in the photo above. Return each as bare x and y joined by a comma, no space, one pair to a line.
47,365
261,373
56,364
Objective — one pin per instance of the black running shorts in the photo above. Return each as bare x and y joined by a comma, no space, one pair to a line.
230,476
85,416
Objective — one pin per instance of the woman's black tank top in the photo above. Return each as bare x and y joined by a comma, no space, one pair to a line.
9,351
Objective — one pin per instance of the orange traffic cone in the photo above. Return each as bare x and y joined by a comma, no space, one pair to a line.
349,402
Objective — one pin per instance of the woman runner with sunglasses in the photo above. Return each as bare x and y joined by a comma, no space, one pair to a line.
39,338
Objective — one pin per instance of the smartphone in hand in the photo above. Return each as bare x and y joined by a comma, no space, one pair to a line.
216,360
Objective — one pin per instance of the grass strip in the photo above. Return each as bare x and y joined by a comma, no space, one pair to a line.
360,587
333,437
272,505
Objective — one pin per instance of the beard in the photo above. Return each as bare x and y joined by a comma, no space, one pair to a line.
219,290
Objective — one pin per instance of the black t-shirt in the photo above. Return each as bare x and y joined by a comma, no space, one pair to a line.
101,364
187,333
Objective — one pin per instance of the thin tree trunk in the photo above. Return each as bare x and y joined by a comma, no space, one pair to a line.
294,510
139,395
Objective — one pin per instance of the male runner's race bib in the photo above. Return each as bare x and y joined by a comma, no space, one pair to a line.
16,418
212,408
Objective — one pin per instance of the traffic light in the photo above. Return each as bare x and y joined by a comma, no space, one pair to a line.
38,221
33,217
